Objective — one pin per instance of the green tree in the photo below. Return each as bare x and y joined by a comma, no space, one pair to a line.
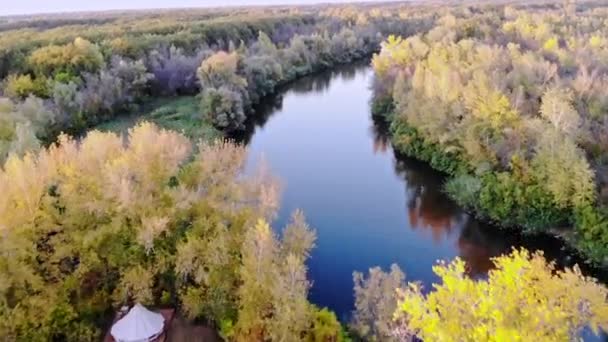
21,86
325,327
224,96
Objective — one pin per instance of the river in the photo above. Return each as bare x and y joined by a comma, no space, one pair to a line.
369,207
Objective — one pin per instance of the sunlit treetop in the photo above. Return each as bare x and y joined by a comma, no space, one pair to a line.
525,298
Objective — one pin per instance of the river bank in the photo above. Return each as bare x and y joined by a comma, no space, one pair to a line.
407,141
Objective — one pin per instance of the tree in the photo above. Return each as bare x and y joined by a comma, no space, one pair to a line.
471,101
298,238
99,96
265,46
21,86
258,275
75,57
23,125
224,96
325,327
296,58
90,225
208,271
525,298
263,73
291,314
220,69
571,186
376,302
273,295
557,108
175,71
223,107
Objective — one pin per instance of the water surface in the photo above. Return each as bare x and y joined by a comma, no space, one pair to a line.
369,207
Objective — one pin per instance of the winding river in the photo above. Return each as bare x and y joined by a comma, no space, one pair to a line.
369,207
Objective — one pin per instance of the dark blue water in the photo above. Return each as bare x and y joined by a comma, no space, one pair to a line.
369,207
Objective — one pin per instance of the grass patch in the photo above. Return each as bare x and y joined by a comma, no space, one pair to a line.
175,113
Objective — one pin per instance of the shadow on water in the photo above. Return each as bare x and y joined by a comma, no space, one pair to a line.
370,207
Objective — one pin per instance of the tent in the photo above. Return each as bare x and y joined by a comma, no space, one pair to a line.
139,325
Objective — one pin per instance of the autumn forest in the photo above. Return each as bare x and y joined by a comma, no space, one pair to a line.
126,173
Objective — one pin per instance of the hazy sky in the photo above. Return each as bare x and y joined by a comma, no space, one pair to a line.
10,7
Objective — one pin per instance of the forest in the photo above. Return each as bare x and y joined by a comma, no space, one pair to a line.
503,106
56,81
509,99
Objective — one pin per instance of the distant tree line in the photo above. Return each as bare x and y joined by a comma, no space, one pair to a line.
73,76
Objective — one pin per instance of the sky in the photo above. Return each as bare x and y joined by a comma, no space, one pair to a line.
12,7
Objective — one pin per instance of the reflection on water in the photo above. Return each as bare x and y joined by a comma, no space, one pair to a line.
369,206
428,209
426,206
379,132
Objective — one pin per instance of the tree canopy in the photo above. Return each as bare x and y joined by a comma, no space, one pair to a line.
91,225
524,298
514,97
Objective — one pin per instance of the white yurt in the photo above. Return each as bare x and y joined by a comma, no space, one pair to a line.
139,325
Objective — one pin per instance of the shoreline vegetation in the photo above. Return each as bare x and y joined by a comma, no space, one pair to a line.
178,113
502,97
517,135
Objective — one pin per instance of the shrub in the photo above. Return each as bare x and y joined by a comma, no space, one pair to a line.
21,86
78,56
325,327
223,107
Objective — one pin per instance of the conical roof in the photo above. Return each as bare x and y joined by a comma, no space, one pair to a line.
139,325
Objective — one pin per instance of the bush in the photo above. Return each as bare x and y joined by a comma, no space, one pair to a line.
326,327
409,141
21,86
223,107
174,71
591,229
464,189
512,202
23,125
78,56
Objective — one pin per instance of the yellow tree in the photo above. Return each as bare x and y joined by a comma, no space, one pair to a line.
524,299
79,55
